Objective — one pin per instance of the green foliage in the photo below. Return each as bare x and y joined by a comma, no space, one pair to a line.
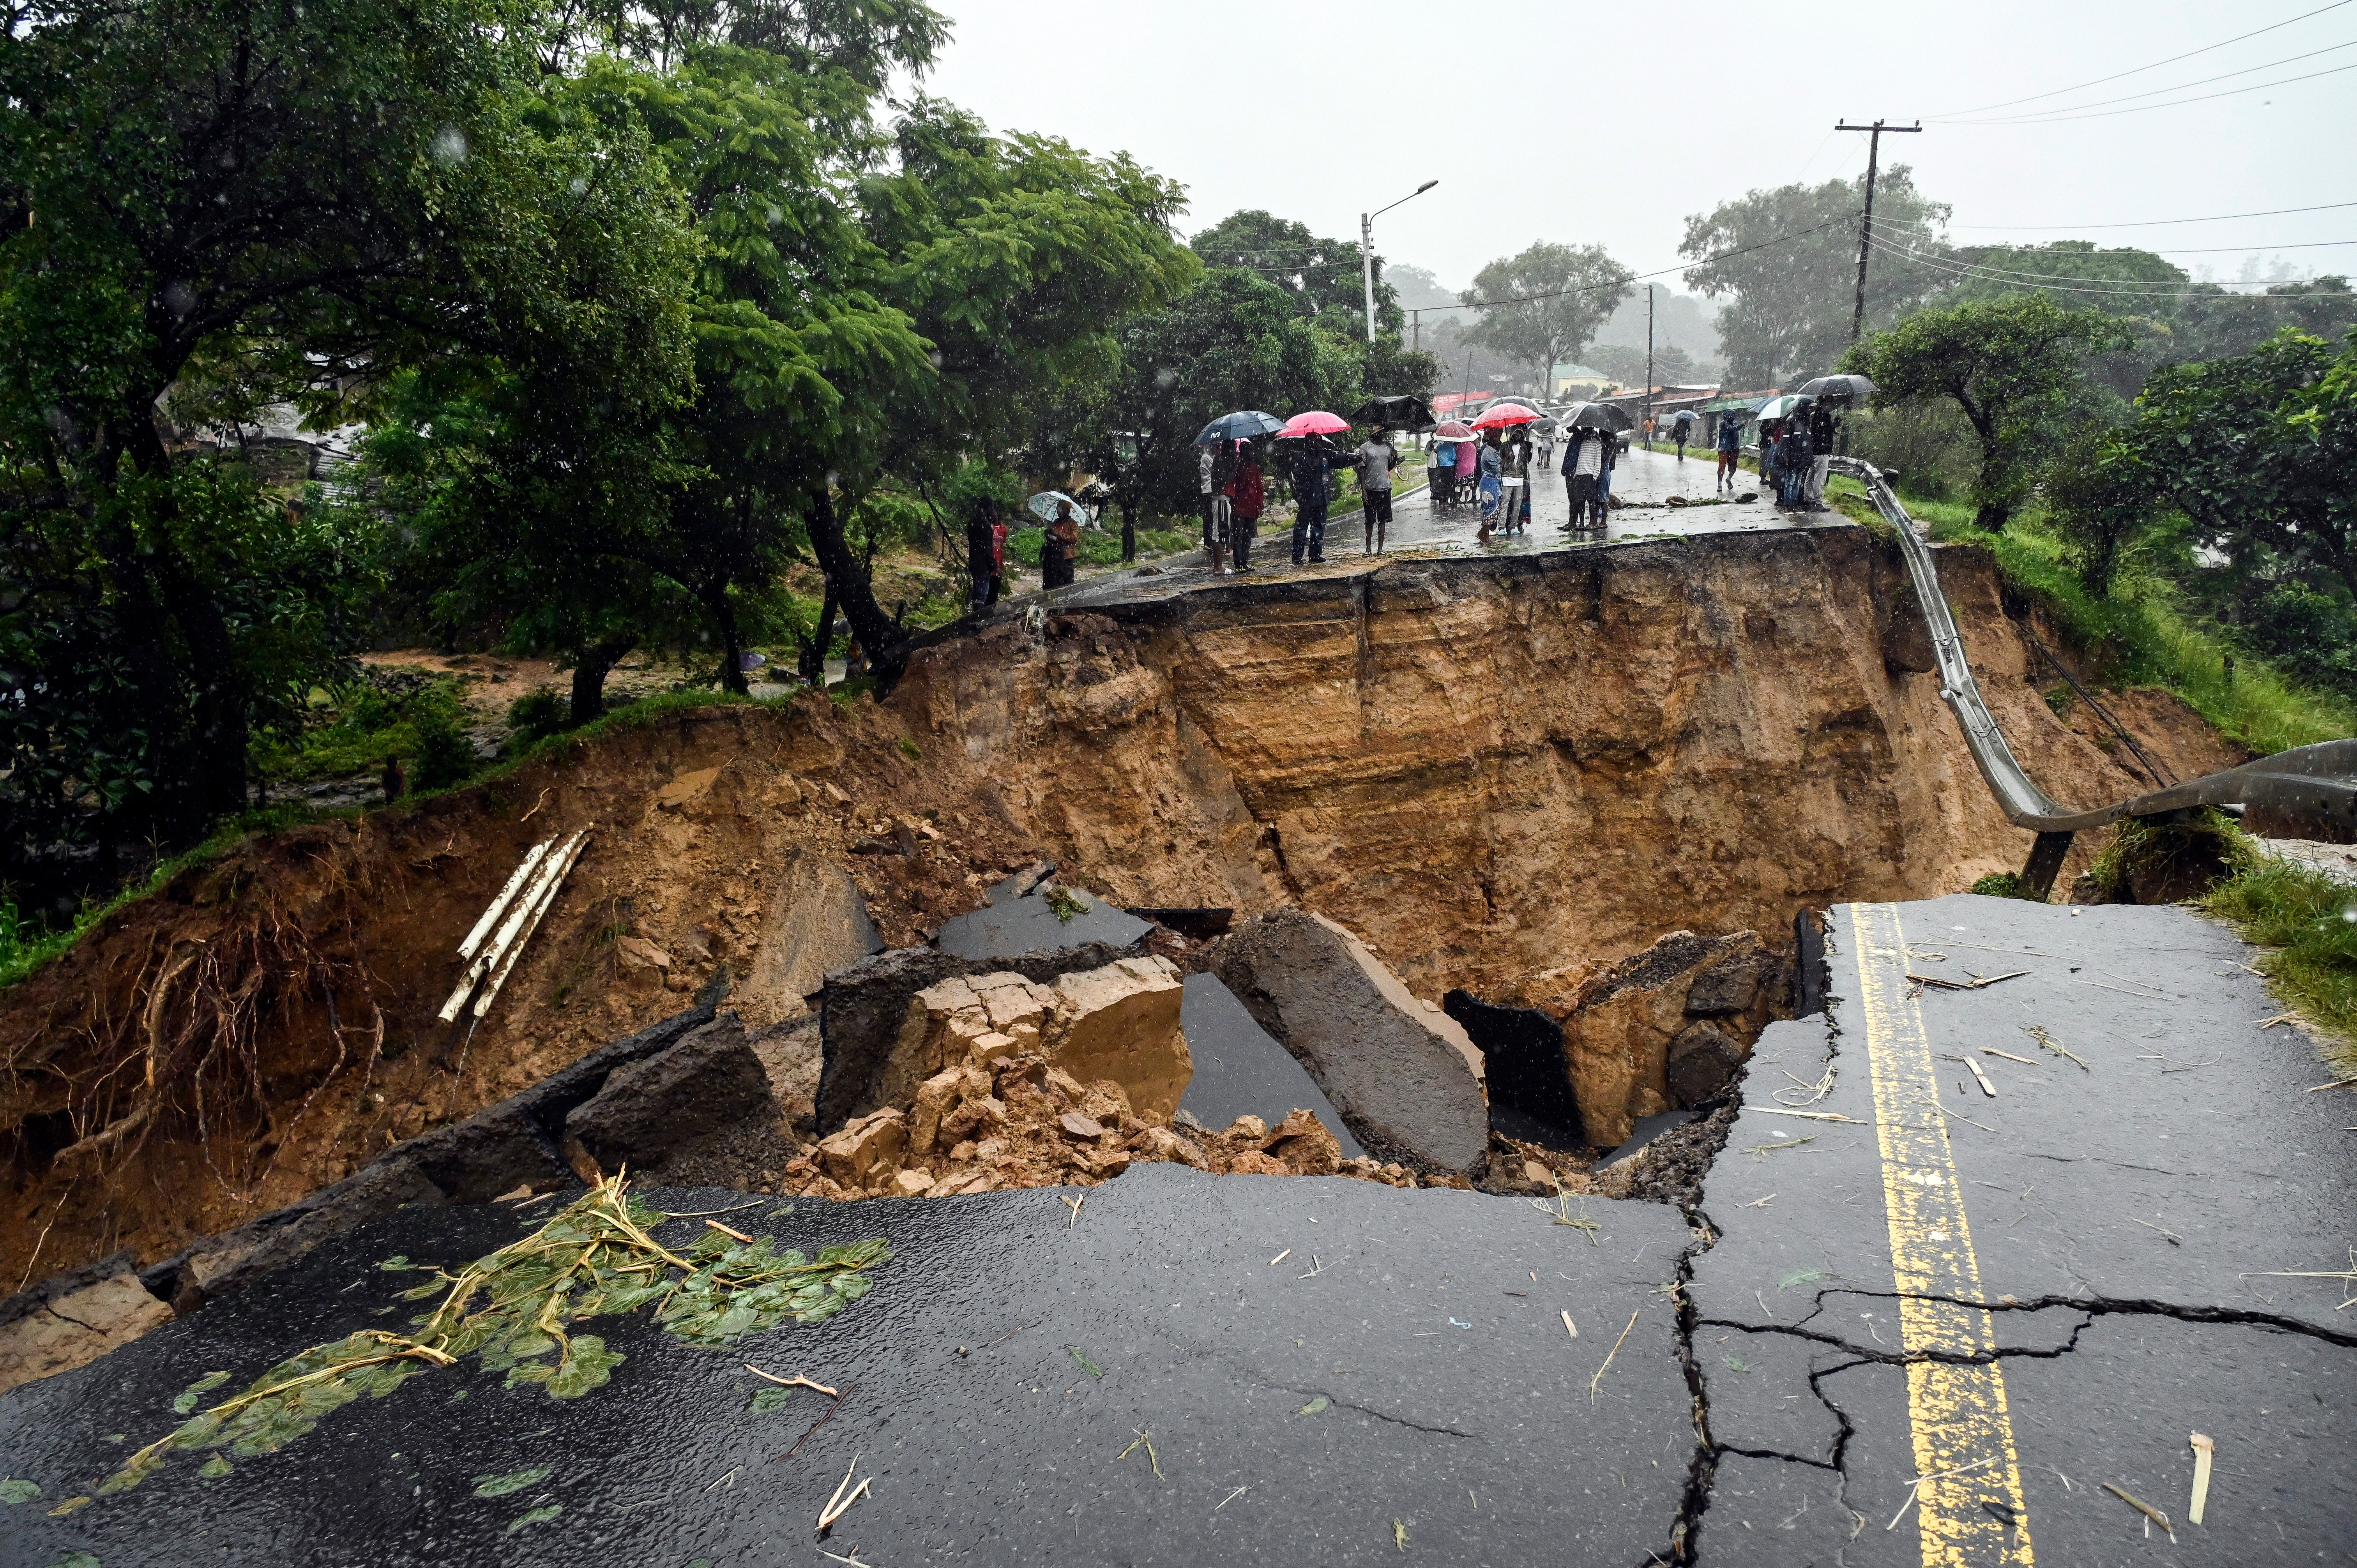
388,714
514,1481
2146,635
2257,453
1563,294
2098,499
536,716
2308,921
2007,885
2011,366
2174,856
1787,261
509,1310
13,1492
1064,904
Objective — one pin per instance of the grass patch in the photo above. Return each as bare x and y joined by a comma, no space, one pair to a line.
2149,639
2007,885
2307,922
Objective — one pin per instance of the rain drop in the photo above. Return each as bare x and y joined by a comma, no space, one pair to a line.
451,145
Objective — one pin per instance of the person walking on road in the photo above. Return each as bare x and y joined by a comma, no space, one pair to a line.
1312,492
1375,458
1730,450
1247,495
1794,461
1444,475
1059,548
1515,475
1493,487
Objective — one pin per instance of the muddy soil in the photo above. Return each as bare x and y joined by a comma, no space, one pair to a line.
1487,768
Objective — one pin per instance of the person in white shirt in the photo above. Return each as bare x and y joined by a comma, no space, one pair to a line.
1375,458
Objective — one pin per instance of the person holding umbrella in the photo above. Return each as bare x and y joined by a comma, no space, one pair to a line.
1375,458
1312,491
1494,465
1823,428
1444,473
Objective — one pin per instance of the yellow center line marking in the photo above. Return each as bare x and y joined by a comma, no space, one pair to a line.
1957,1413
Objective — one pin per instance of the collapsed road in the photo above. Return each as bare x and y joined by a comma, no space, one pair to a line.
1891,1273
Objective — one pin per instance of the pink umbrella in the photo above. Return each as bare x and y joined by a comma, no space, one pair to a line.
1498,416
1317,421
1455,430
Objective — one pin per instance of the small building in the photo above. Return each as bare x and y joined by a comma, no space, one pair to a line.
1581,382
1740,406
1663,400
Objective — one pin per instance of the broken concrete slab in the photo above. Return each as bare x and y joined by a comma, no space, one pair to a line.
73,1318
1240,1070
817,922
710,1078
1338,1403
864,1007
1049,919
1402,1073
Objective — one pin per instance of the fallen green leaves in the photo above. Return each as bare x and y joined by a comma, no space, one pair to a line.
515,1481
13,1492
510,1310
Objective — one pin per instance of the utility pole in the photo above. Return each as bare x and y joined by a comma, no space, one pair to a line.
1647,428
1866,229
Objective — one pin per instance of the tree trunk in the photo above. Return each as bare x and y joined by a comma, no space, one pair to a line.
814,655
589,674
1129,529
847,576
732,658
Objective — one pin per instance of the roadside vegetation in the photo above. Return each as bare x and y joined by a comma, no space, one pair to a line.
2304,923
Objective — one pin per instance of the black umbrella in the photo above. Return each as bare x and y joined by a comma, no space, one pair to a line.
1395,412
1597,416
1243,425
1838,389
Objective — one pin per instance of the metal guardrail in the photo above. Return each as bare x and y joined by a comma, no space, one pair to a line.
2318,780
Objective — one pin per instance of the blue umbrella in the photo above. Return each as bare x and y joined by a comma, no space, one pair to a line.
1243,425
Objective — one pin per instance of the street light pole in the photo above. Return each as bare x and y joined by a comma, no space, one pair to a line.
1367,249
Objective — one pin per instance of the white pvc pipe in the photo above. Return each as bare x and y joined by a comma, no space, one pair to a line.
549,890
490,956
498,904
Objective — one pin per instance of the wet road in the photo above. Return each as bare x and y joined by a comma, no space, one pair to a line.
1893,1273
1646,481
1313,1359
2049,1289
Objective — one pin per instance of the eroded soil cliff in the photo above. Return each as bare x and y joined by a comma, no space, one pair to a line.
1488,768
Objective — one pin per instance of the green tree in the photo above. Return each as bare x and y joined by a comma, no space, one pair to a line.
1543,306
1786,260
2256,451
2012,366
2098,491
1326,274
236,206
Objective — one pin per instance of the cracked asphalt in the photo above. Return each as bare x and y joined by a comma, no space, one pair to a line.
2031,1296
2091,1255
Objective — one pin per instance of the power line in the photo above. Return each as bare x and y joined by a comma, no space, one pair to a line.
2182,251
1971,271
2038,114
2155,65
2158,222
2060,119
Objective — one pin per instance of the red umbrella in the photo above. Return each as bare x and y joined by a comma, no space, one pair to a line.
1455,430
1317,421
1499,415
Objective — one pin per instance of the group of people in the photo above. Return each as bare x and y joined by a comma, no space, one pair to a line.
985,549
1233,491
1797,452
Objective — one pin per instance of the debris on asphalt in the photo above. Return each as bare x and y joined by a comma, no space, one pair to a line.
839,1505
1232,1497
2204,1451
1280,1257
1315,1406
1569,1326
1596,1381
1399,1535
1915,1487
1811,1115
1091,1367
1074,1205
1152,1460
1976,983
1772,1148
2009,1056
2151,1513
1982,1079
2343,1083
796,1382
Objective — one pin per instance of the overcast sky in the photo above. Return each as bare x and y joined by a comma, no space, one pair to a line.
1547,120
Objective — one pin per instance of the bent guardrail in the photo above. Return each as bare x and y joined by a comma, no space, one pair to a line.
2318,780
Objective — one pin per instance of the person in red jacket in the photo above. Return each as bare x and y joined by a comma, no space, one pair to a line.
1246,496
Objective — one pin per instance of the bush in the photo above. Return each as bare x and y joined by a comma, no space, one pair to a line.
444,756
2310,919
536,716
2007,885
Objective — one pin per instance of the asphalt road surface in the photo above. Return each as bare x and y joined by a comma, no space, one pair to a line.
1891,1274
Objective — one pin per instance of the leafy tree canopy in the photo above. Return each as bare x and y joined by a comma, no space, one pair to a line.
2012,366
1543,306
